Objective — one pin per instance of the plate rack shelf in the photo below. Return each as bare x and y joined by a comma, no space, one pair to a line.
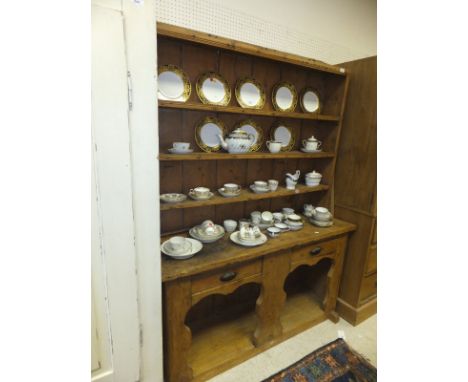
199,311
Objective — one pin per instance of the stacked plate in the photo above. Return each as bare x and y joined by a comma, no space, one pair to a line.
259,190
228,194
248,242
294,222
321,217
198,233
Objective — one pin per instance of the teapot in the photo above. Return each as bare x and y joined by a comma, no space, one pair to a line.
237,142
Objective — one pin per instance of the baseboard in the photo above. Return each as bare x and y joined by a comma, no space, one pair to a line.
356,315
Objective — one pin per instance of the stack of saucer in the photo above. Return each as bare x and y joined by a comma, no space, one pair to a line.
321,217
248,236
294,222
260,187
207,232
181,248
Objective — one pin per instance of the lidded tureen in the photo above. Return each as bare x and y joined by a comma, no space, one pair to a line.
237,142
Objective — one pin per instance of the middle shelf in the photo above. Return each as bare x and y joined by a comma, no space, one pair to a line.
245,196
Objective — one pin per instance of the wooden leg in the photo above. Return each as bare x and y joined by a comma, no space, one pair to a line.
272,298
333,282
178,335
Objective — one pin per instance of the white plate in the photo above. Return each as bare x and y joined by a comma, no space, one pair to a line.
303,149
213,89
282,226
205,239
259,191
320,223
310,101
210,195
196,247
173,198
261,240
175,151
295,227
284,97
173,84
207,134
228,195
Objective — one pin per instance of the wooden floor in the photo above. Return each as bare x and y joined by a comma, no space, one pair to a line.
224,345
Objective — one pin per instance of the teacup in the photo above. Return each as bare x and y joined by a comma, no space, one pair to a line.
287,211
322,213
278,216
208,227
260,184
267,217
273,184
181,146
273,231
231,188
273,146
178,244
311,143
256,217
200,192
230,225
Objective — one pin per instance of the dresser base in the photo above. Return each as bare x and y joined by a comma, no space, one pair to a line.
356,315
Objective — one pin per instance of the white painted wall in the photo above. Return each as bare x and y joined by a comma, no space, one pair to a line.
333,31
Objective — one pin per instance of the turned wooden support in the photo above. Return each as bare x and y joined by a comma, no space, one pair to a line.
272,298
333,281
178,335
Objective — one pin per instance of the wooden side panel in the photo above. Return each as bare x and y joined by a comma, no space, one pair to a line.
356,168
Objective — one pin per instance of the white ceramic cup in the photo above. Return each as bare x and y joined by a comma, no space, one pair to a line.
273,184
311,145
278,216
287,211
178,244
267,217
274,147
231,188
230,225
256,217
183,146
260,184
200,191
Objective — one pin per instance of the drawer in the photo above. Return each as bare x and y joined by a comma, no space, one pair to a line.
372,259
309,252
221,277
368,287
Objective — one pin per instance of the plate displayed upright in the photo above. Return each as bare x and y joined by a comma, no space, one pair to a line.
283,134
284,97
207,134
310,101
173,84
250,94
251,127
213,89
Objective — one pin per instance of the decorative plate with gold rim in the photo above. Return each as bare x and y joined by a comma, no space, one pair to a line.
213,89
310,100
207,134
284,134
173,84
250,94
251,127
284,97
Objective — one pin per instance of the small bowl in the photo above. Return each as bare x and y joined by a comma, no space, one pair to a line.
273,231
282,226
230,225
294,218
287,211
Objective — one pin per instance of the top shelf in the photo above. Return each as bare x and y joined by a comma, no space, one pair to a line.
246,48
240,110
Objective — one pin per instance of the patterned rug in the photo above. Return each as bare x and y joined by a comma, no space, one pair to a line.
334,362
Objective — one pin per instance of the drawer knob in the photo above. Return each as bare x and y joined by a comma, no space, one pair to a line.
315,251
228,276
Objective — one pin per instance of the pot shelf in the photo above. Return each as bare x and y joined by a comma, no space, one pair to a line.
240,110
254,155
245,196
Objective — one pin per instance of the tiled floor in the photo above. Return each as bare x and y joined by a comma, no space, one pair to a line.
362,338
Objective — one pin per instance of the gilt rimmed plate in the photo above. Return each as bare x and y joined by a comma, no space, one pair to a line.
207,134
213,89
284,97
251,127
173,84
283,134
310,100
249,93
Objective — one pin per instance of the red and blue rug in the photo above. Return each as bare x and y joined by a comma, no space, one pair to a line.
334,362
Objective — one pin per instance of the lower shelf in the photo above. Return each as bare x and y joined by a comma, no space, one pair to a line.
220,347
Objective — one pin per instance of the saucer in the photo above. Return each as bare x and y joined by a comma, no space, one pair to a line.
173,198
251,243
263,225
295,227
205,238
304,150
228,194
209,196
282,226
196,247
259,190
321,223
176,151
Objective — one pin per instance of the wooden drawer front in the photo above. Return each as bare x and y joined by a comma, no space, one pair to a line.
225,276
372,259
368,287
309,252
